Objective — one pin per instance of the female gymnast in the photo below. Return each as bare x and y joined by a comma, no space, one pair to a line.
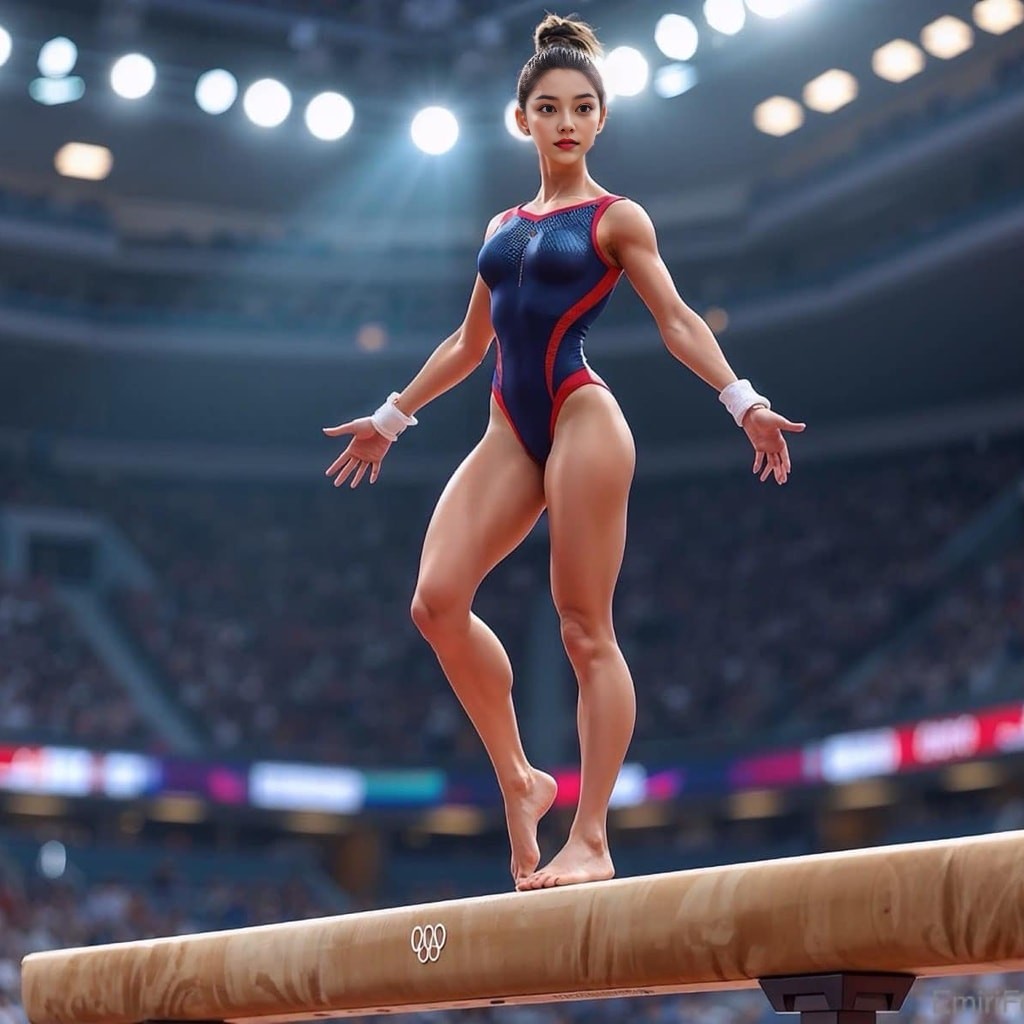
545,271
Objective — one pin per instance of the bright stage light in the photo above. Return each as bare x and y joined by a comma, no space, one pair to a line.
216,91
6,45
57,57
947,37
897,61
778,116
52,92
434,130
267,103
772,9
329,116
511,125
674,79
829,92
676,37
725,16
998,16
626,71
85,161
133,76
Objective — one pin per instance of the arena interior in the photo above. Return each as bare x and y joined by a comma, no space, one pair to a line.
215,708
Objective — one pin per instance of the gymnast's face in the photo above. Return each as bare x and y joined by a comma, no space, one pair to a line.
563,115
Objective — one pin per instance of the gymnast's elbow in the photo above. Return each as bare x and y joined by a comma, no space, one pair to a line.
679,332
472,345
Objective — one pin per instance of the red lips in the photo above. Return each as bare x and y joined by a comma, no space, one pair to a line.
566,144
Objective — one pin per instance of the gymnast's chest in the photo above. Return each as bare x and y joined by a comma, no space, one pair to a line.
524,252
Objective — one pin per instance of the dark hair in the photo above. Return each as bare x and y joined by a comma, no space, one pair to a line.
561,43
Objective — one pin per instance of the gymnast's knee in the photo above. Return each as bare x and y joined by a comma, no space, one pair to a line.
438,607
585,637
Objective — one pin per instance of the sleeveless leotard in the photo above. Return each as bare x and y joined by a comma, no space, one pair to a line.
548,282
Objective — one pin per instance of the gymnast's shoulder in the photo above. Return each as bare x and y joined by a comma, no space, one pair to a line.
497,220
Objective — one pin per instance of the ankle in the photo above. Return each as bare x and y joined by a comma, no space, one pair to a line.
517,783
593,837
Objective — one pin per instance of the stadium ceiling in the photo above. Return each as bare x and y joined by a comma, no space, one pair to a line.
390,57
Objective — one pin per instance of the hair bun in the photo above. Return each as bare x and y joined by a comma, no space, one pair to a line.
568,33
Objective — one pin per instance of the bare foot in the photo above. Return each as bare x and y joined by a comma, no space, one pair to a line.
522,812
578,861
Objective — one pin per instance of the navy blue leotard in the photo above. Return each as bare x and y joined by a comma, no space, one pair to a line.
548,282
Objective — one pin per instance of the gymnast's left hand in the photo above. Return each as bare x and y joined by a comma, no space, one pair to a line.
764,428
365,451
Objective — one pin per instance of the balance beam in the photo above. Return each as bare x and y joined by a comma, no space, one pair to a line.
923,909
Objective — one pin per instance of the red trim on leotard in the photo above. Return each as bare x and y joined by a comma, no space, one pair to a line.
592,298
506,215
572,383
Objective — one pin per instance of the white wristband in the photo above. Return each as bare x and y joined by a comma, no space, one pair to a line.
738,397
390,421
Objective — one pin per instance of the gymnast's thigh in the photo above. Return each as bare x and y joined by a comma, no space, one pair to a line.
488,506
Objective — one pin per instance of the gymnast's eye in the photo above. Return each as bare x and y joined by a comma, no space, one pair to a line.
585,108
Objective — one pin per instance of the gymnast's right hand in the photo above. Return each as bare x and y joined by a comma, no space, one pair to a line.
365,451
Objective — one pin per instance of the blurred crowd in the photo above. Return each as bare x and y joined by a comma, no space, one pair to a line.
52,684
969,640
739,612
281,619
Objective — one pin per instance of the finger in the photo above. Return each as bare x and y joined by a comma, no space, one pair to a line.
338,462
341,428
785,458
757,461
346,471
793,428
374,472
767,470
360,473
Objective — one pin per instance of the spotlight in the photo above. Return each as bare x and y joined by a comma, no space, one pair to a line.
133,76
57,58
772,9
267,103
216,91
676,37
829,92
329,116
511,125
6,45
997,16
434,130
725,16
52,92
626,71
674,79
897,61
85,161
778,116
947,37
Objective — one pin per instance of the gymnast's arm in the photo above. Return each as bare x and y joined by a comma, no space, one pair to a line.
628,238
459,354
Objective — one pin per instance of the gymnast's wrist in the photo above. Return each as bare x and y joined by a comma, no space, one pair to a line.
389,420
757,405
739,398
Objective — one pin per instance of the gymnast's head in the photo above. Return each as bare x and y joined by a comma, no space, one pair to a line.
561,95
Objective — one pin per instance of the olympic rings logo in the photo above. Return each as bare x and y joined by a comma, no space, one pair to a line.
427,941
